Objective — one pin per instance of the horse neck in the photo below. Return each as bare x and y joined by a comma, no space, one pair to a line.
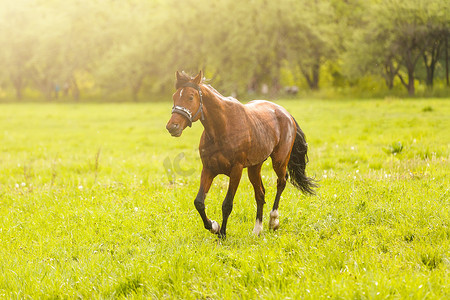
216,111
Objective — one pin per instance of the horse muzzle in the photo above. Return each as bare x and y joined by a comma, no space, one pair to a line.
174,129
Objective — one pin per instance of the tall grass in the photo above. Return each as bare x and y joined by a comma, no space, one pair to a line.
88,208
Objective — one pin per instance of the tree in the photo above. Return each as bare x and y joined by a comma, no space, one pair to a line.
370,51
311,38
438,28
18,41
395,35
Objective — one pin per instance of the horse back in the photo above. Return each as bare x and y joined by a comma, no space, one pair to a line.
270,125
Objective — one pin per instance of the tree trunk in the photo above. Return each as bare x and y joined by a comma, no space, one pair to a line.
18,86
411,89
410,61
315,76
446,59
390,71
389,82
75,90
311,75
19,95
410,84
136,87
431,59
430,77
135,92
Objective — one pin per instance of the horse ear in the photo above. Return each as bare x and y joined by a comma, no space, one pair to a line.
198,78
178,76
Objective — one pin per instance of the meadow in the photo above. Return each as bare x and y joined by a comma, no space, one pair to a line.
96,202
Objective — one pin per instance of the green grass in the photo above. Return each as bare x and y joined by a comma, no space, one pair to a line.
88,210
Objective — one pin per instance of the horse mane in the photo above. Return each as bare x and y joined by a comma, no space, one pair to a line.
222,97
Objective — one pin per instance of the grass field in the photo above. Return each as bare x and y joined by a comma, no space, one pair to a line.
90,208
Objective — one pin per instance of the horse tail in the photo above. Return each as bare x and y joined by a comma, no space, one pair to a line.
297,164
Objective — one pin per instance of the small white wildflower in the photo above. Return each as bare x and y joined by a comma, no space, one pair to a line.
23,184
80,187
325,176
136,209
17,185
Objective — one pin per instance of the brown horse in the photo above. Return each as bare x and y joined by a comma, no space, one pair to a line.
238,136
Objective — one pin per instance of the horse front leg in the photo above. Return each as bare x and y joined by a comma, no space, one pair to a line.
199,202
227,205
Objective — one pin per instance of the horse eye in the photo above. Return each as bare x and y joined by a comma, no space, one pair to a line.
191,97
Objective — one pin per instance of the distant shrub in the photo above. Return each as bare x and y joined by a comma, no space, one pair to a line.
394,148
427,109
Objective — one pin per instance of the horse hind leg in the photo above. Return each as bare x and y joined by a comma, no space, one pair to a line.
279,167
254,175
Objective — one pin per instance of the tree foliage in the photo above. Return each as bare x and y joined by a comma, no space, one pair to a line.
107,46
395,36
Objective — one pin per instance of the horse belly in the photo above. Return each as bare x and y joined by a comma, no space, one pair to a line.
259,152
264,138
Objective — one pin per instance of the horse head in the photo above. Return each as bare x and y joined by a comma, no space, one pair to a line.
187,103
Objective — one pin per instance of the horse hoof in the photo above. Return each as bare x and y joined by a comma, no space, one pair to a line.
215,227
258,228
274,222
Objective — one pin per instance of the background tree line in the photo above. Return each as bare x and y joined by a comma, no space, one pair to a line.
132,48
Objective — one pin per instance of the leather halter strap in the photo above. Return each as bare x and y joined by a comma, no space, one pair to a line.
186,112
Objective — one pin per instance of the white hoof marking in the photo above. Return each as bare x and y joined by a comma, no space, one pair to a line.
274,223
258,227
215,227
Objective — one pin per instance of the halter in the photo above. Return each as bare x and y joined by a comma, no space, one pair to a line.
186,112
